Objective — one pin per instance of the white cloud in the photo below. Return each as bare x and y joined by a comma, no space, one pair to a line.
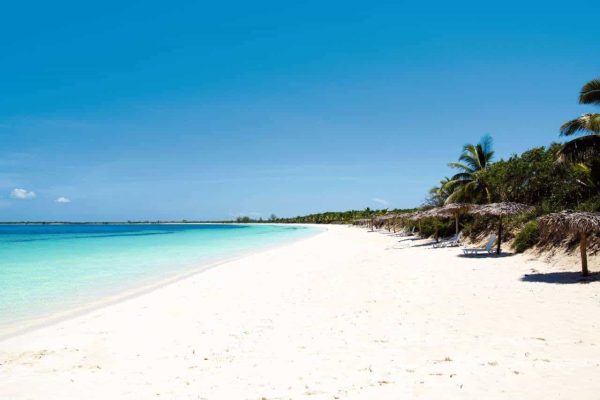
381,201
62,200
22,194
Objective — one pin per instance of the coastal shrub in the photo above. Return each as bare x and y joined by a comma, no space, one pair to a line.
592,205
339,217
430,226
527,237
535,178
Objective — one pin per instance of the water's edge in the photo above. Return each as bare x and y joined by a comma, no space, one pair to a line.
60,316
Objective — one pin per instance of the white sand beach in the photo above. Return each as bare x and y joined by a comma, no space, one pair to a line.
341,315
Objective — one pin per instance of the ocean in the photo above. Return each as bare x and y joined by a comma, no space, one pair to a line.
50,270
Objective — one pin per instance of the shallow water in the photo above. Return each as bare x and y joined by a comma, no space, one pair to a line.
46,269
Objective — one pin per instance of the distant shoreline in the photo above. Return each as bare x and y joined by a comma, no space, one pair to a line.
125,222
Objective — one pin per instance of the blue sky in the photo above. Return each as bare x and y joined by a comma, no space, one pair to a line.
208,110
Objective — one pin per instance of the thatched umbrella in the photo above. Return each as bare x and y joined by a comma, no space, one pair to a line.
500,210
436,212
420,215
361,221
416,217
580,224
454,210
385,220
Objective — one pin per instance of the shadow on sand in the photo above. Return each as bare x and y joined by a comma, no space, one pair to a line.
560,278
424,244
485,255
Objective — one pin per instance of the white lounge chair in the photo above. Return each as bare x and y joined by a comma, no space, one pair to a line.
452,242
488,248
407,233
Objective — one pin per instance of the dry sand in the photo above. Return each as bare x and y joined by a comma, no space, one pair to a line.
343,315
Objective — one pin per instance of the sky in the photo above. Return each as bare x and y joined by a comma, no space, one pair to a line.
211,110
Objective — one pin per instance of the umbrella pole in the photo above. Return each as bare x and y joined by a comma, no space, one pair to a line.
456,222
583,251
499,236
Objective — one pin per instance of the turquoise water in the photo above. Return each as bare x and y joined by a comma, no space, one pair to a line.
50,269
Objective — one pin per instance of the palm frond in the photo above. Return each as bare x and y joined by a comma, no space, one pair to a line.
585,123
469,156
486,144
462,176
590,93
462,166
581,149
457,195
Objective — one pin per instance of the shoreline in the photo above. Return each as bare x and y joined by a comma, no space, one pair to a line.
36,323
339,314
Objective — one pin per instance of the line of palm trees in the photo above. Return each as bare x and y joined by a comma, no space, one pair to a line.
467,185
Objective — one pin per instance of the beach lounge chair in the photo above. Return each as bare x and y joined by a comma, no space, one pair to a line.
407,233
488,248
452,242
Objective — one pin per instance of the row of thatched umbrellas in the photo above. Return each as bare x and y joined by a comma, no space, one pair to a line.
580,224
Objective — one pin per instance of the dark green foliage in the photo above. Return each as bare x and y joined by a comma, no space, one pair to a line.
535,178
590,92
430,227
527,237
585,148
338,217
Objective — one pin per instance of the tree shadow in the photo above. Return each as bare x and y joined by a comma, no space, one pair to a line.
485,255
424,244
561,278
405,244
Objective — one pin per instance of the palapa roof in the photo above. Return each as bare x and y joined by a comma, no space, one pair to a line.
417,215
500,209
455,208
571,222
413,216
433,213
386,217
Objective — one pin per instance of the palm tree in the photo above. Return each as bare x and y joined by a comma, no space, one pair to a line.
587,147
438,194
467,185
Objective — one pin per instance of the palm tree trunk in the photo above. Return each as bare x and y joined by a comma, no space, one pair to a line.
499,235
583,251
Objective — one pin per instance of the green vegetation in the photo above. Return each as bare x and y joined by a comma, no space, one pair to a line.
535,178
527,237
335,217
553,178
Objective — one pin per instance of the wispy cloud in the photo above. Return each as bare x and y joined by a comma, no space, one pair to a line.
62,199
22,194
383,202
